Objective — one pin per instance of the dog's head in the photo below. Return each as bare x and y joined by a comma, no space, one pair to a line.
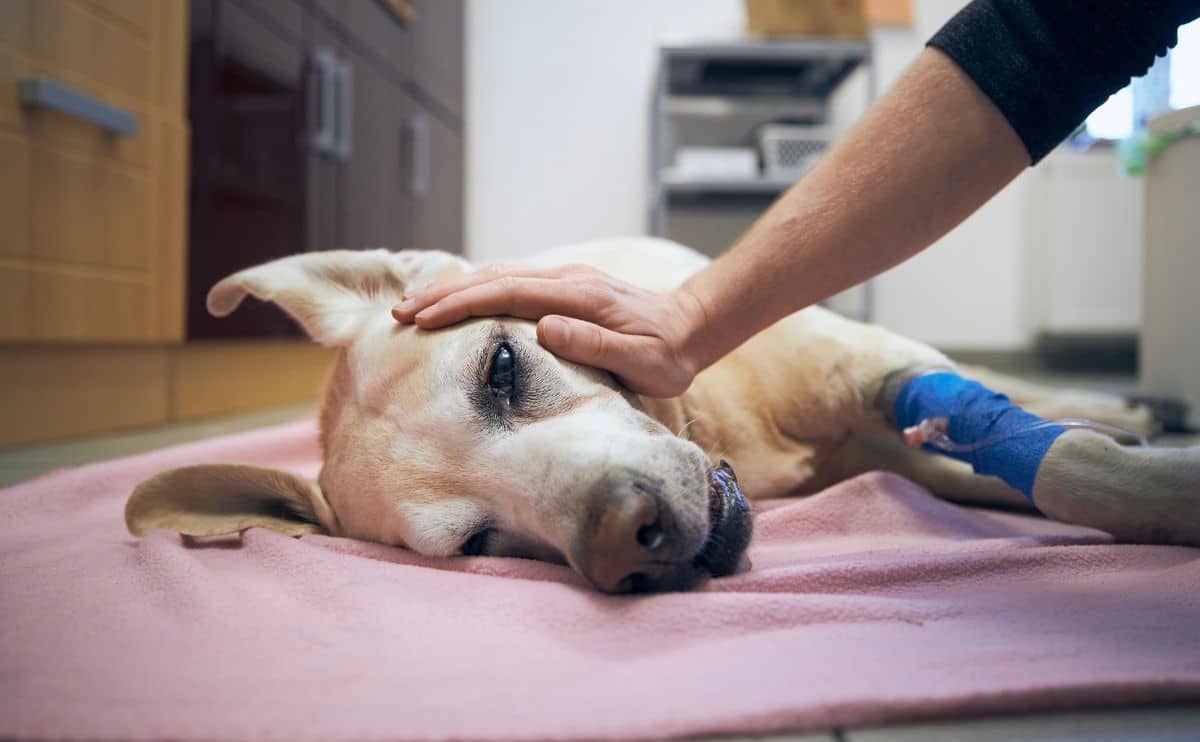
470,440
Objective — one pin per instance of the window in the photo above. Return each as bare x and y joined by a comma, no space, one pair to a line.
1185,67
1173,82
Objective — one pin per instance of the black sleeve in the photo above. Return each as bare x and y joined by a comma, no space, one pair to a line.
1047,64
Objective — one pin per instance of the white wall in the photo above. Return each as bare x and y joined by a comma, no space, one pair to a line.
966,291
558,95
1085,243
1058,250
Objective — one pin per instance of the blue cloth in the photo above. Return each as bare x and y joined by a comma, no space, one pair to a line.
976,413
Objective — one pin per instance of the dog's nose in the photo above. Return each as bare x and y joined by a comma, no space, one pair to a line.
628,537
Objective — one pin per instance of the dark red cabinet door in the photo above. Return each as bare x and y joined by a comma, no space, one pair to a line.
269,179
246,102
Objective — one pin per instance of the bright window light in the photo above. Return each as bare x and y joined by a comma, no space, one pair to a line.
1113,119
1185,67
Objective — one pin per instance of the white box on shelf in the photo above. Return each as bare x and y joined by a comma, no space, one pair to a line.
728,163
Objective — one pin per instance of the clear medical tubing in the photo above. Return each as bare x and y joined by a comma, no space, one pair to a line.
932,431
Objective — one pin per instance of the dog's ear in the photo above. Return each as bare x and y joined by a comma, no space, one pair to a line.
216,499
331,293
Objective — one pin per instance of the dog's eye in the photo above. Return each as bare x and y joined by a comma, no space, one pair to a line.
502,374
476,545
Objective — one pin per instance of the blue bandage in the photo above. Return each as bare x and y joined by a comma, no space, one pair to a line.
976,414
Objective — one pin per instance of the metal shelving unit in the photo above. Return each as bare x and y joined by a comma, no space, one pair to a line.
719,93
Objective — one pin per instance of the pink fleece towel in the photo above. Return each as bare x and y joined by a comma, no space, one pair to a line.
871,602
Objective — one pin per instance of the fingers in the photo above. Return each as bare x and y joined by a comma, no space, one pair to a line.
407,310
587,343
637,360
528,298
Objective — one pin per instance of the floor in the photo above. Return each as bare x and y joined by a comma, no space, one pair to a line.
1148,725
1134,725
1154,725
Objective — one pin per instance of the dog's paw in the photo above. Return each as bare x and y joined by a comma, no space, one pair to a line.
1170,413
1138,494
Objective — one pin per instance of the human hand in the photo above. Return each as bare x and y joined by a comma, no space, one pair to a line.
648,340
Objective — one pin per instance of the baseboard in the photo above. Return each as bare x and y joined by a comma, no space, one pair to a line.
52,393
59,392
1004,361
1090,353
222,377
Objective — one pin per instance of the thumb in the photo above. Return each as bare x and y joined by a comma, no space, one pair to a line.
587,343
632,358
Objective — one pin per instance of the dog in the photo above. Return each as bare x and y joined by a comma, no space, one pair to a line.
473,440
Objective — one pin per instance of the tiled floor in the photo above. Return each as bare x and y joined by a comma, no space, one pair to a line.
1133,725
1153,725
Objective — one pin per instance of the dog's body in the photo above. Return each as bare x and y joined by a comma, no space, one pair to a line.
430,442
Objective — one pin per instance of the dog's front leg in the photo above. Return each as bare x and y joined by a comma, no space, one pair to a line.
1139,494
1144,494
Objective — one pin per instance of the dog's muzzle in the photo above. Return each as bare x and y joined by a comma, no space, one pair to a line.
731,528
630,541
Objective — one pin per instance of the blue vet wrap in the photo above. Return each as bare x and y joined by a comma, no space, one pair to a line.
976,413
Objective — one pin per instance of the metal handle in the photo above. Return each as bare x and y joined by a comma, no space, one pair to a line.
322,99
46,92
343,142
422,155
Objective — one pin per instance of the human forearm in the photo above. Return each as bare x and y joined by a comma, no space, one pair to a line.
928,154
925,156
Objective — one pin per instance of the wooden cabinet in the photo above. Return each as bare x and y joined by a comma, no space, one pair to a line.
438,185
95,223
438,75
378,208
247,71
93,239
223,170
319,125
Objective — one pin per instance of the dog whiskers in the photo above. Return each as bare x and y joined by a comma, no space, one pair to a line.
686,425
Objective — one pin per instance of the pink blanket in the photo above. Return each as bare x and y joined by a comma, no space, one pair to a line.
872,602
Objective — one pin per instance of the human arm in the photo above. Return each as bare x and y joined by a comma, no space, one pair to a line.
934,138
939,144
923,158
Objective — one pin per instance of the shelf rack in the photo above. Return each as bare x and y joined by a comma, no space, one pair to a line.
717,92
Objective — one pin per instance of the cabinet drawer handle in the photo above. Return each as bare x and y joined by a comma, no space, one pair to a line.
343,144
46,92
422,155
322,101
